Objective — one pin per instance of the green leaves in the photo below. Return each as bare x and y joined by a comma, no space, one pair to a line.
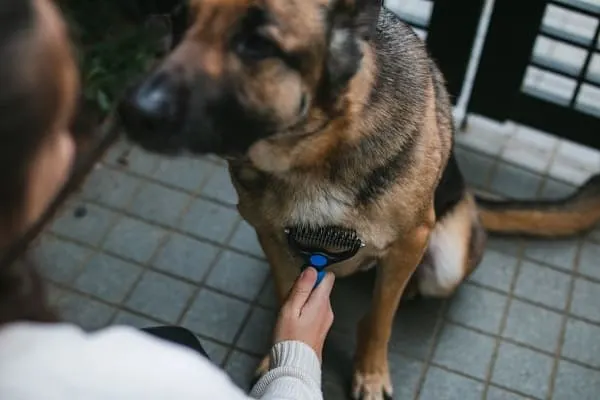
113,47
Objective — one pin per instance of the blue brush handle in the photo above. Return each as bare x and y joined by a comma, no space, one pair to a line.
320,275
319,262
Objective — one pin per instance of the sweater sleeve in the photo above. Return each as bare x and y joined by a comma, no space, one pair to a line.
295,373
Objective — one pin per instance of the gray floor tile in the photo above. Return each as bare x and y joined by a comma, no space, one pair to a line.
85,312
216,352
159,204
484,136
495,393
110,187
134,239
62,260
594,235
335,391
137,321
239,275
216,316
351,299
496,270
586,298
338,356
523,370
84,222
108,278
413,329
268,297
533,326
115,154
241,368
257,335
582,343
558,253
515,182
443,385
504,245
219,187
527,154
209,220
142,162
475,167
160,296
589,262
53,293
576,382
543,285
186,257
185,173
555,189
405,374
477,308
245,239
465,351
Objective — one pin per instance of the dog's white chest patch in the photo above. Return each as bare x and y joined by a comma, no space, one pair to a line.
320,208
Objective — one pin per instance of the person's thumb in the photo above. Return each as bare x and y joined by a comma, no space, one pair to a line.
302,289
322,292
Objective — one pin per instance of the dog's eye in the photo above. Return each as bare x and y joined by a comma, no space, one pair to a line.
256,47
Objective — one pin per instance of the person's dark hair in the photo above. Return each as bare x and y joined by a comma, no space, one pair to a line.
26,115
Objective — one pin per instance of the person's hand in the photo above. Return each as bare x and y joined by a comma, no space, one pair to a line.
306,315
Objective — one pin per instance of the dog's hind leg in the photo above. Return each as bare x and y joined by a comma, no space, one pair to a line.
455,248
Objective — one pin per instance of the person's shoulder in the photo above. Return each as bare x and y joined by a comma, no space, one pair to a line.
118,362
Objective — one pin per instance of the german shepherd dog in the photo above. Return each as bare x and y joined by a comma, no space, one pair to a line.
331,112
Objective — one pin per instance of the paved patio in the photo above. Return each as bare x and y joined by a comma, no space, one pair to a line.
158,241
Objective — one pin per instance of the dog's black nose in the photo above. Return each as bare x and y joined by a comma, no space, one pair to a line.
156,106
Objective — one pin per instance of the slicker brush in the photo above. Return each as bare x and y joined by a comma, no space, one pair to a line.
323,246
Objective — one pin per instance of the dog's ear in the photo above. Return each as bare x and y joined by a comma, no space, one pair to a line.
350,22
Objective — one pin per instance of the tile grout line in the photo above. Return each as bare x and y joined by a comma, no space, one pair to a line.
565,319
98,249
171,228
545,175
147,266
245,322
196,192
503,320
428,359
199,288
173,276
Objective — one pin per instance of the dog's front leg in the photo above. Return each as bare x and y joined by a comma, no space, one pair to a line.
371,374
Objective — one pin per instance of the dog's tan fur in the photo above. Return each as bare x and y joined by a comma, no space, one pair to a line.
371,151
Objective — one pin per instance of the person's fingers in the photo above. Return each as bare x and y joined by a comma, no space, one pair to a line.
302,289
320,296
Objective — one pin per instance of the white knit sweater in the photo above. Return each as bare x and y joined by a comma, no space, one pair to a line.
62,362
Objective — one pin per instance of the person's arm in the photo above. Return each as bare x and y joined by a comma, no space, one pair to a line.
295,374
303,324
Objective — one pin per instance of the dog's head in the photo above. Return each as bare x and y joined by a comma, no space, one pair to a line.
246,70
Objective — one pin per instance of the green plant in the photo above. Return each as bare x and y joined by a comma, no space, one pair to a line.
113,45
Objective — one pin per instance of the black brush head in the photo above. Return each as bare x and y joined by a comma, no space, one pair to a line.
326,237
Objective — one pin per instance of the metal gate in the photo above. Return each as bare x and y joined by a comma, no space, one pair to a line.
449,29
540,66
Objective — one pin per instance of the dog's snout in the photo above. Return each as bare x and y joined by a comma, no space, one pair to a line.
156,106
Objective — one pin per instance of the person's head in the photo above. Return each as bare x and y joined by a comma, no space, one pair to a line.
38,88
38,91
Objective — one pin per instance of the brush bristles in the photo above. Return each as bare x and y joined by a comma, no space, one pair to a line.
326,237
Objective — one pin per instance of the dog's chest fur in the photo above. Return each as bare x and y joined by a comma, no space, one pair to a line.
318,206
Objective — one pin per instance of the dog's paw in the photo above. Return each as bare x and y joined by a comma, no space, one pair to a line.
372,386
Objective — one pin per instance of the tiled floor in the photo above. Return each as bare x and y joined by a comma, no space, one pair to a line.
159,241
